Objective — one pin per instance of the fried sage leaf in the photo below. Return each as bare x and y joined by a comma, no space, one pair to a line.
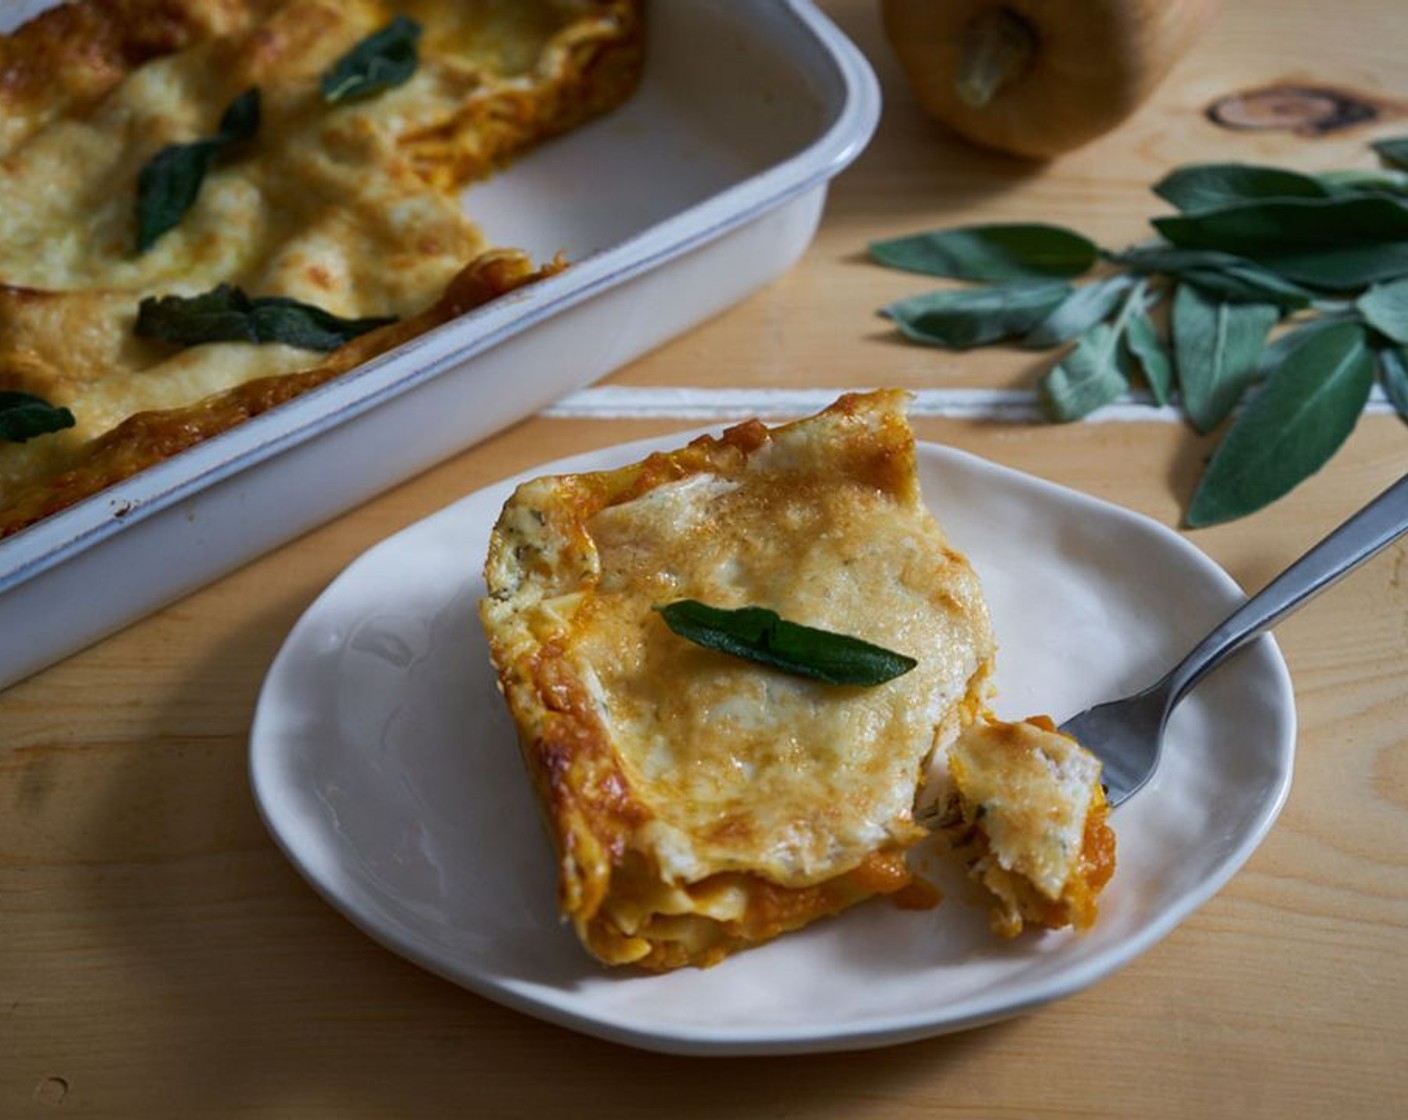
1290,428
170,182
991,252
24,416
763,636
227,314
383,60
1385,308
1216,344
962,318
1197,188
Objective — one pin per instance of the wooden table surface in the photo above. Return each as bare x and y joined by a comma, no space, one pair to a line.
159,957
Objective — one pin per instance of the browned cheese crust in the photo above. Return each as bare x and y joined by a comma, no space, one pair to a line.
351,208
700,804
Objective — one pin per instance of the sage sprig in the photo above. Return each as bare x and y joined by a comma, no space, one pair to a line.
24,416
969,317
1289,429
1385,308
1393,151
1098,370
1287,294
1216,345
762,636
383,60
997,252
170,182
227,314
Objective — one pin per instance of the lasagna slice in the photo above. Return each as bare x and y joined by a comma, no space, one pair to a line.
700,803
351,206
1032,823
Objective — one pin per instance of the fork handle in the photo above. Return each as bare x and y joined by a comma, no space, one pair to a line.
1364,535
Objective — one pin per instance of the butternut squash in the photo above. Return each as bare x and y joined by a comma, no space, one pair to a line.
1039,77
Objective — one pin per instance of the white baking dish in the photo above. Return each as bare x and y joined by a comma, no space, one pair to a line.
708,184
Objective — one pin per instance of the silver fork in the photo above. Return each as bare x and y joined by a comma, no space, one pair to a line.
1127,735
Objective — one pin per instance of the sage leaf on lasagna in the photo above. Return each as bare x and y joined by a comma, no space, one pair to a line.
24,416
383,60
227,314
170,182
763,636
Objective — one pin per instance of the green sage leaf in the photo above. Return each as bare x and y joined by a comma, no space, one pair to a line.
1393,150
962,318
1089,377
1198,188
1385,308
1290,428
240,121
227,314
170,182
1393,374
383,60
991,252
1280,347
1249,284
1216,345
1389,180
762,636
1337,243
24,416
1148,353
1078,312
1221,274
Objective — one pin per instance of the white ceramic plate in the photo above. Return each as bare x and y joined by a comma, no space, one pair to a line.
386,767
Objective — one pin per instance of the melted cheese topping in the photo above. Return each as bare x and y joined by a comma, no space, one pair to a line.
750,767
353,208
679,782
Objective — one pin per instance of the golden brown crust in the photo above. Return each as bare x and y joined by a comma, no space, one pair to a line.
635,740
67,58
147,438
593,66
72,341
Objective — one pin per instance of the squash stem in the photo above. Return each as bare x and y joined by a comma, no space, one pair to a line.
998,46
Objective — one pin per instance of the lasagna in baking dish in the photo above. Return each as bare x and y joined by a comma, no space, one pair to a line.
699,801
214,205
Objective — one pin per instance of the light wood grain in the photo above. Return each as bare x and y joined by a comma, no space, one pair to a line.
159,957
